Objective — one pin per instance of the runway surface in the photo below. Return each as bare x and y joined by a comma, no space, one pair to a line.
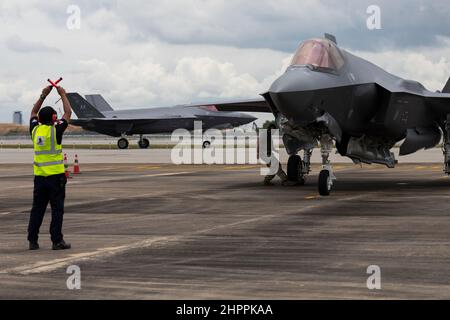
212,232
158,156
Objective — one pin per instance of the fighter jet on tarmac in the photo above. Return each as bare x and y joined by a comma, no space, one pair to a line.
97,115
328,95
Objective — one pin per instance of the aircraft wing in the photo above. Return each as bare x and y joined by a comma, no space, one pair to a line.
118,121
249,105
85,110
115,126
145,120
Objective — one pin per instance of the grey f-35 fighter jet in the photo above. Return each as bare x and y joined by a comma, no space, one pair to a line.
95,114
329,95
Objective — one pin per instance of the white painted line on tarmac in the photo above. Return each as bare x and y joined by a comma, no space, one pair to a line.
127,197
132,177
70,182
51,265
19,187
112,199
167,174
17,176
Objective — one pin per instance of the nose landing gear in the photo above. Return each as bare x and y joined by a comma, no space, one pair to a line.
326,180
326,176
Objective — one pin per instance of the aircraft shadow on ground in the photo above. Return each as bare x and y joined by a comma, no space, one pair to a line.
358,185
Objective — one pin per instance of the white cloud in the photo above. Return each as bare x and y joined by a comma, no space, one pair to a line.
17,44
140,54
143,82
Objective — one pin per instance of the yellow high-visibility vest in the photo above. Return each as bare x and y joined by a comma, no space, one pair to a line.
48,157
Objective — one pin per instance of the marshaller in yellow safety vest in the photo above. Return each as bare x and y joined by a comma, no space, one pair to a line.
50,182
48,157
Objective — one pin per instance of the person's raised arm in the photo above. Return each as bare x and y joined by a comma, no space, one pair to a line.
37,106
66,103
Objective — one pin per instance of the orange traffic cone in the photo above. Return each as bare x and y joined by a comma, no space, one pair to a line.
76,166
66,167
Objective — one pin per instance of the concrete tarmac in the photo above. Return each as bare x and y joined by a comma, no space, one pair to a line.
144,231
157,156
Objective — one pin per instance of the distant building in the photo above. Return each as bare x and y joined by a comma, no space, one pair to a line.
17,117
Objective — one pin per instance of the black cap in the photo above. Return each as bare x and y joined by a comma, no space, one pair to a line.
46,115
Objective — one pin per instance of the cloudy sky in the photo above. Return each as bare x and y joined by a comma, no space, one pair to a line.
160,53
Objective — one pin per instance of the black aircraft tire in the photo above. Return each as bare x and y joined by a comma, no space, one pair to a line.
293,166
324,186
122,143
144,144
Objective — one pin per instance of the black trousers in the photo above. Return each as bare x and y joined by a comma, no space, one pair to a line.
48,189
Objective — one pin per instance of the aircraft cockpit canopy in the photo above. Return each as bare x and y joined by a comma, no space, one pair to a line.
319,53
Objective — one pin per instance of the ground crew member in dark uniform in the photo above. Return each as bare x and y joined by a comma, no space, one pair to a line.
49,178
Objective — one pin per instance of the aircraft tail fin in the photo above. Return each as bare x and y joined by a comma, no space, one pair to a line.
447,87
98,102
82,108
330,37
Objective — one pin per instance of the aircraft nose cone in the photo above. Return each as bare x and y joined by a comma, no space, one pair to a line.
294,79
293,94
283,84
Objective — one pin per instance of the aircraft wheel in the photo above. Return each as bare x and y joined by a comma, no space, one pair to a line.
144,143
206,144
325,183
122,143
294,169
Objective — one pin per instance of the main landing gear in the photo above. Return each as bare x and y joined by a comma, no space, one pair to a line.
123,143
298,169
326,176
143,143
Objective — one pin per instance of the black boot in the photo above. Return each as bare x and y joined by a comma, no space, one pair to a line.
34,245
62,245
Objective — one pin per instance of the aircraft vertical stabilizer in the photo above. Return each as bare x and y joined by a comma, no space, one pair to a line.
82,108
98,102
447,87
